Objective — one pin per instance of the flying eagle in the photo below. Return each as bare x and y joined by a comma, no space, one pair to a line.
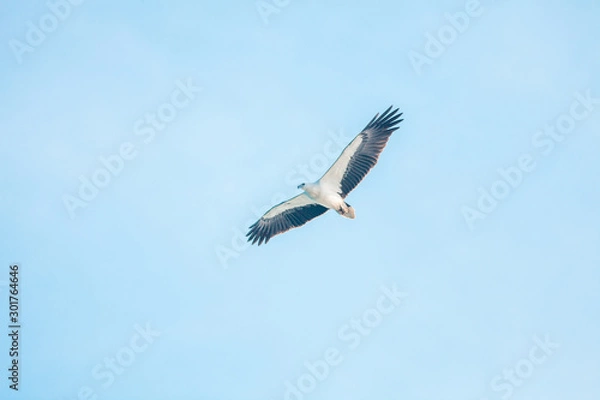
329,192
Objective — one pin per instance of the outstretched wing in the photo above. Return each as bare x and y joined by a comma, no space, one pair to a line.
362,153
290,214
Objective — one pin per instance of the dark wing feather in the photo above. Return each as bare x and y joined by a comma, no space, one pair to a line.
362,153
283,217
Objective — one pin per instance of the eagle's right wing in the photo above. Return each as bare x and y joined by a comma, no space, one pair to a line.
362,153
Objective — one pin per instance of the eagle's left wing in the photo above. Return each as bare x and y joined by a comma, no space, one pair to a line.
290,214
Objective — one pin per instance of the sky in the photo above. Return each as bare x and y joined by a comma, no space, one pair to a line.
141,139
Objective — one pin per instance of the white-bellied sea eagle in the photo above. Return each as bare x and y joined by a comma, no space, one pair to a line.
329,192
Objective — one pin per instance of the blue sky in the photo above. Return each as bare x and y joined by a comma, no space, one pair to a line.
149,271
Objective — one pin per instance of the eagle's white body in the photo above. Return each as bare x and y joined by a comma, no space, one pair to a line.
328,196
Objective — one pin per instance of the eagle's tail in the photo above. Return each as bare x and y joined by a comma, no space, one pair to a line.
347,211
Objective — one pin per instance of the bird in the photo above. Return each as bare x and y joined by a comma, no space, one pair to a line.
331,190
